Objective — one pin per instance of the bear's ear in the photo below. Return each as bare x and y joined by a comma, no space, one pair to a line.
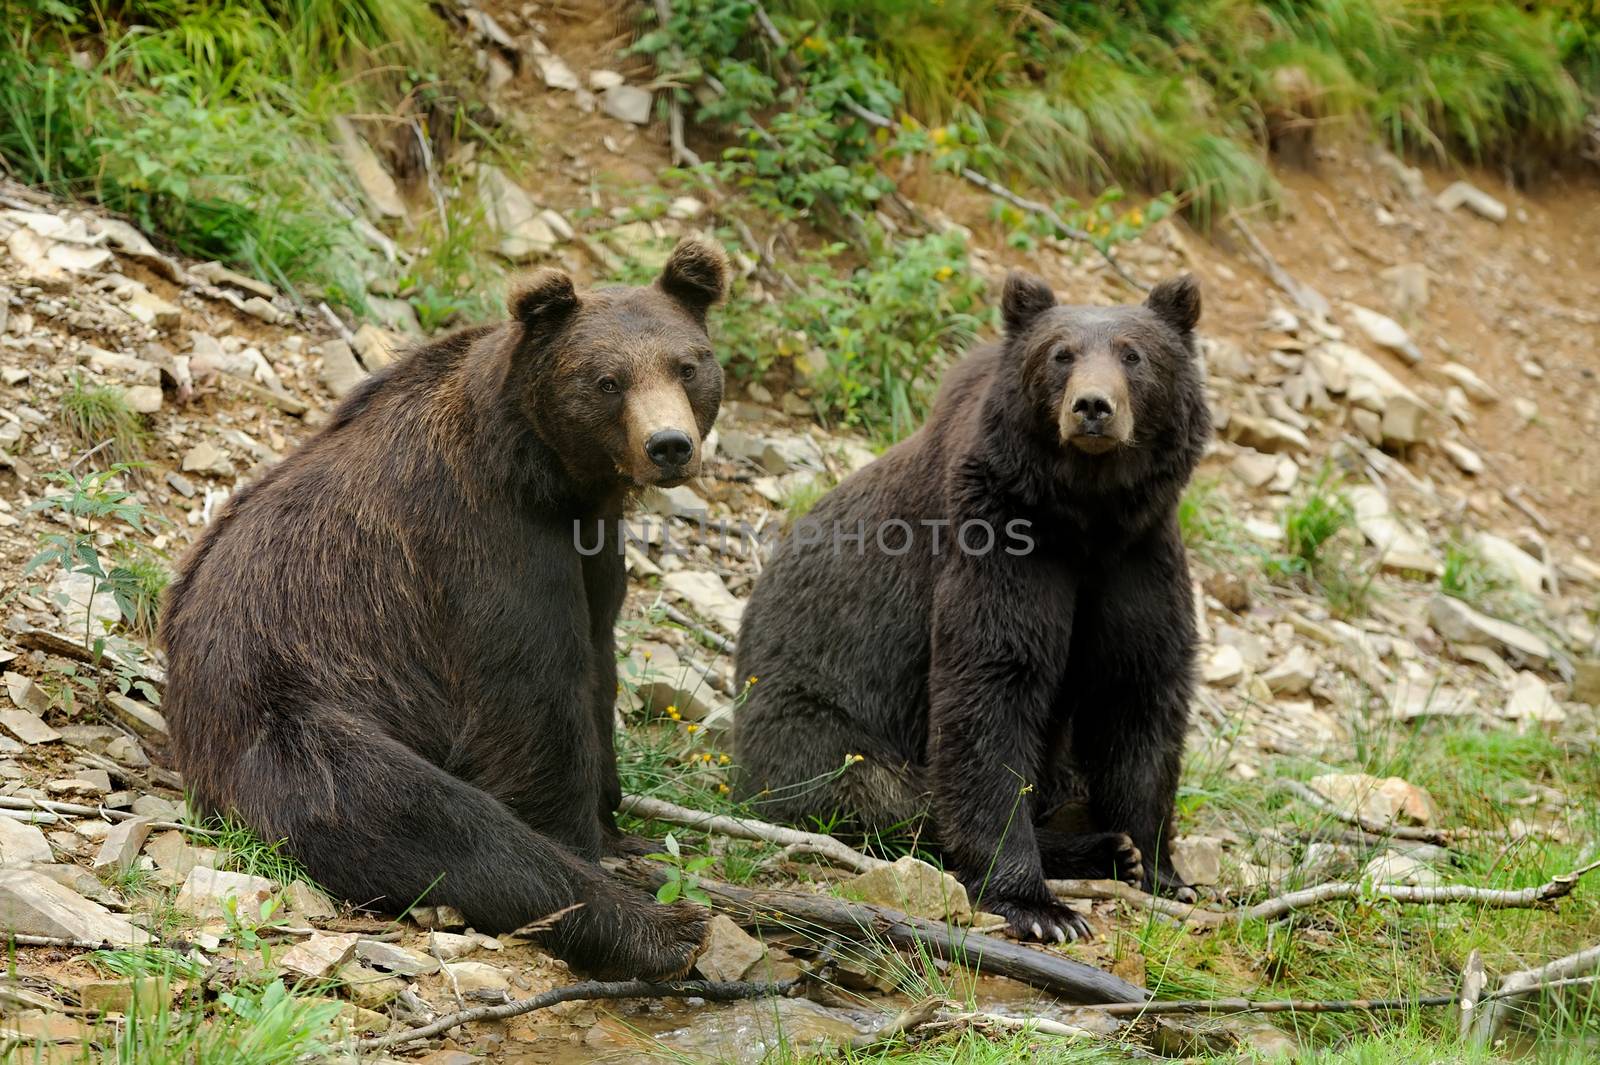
696,274
1176,301
542,298
1025,298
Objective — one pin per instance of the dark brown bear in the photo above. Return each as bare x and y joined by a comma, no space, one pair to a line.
997,612
391,653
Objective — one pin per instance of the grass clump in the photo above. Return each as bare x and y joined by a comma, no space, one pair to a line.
98,416
1317,556
1468,577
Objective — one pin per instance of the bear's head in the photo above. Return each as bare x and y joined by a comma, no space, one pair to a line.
1105,382
622,382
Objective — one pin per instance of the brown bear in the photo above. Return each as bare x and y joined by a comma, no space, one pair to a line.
391,653
996,613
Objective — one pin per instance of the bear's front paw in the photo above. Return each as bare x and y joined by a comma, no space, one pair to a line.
1040,922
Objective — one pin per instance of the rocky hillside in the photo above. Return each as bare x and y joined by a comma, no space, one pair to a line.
1390,538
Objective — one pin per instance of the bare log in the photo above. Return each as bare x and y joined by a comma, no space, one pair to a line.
859,921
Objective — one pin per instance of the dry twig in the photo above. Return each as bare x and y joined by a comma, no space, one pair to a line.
711,990
751,829
1282,905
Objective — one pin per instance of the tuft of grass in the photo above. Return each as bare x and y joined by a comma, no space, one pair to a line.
802,496
99,415
1467,576
243,851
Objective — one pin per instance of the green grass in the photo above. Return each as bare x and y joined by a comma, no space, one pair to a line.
205,121
1185,94
243,851
99,415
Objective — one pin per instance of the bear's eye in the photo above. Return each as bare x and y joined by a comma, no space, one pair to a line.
686,372
1131,357
1063,354
609,385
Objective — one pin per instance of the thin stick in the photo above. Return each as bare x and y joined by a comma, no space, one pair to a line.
681,152
1045,211
721,643
1487,1024
1282,905
749,828
1352,1005
1308,299
711,990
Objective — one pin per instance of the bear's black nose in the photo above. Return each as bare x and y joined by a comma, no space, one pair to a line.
1092,407
669,448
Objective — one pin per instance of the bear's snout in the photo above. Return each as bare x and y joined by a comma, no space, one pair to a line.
1095,412
669,449
663,445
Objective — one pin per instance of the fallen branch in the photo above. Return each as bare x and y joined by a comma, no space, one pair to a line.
682,154
909,1019
72,809
1282,905
1305,297
711,990
721,643
1562,972
1045,211
1219,1006
751,829
788,911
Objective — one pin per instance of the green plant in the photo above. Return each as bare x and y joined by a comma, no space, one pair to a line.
1468,577
138,580
98,416
90,503
683,875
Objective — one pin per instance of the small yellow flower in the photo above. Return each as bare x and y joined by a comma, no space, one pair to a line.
647,655
752,679
944,273
813,44
691,727
723,759
1135,217
941,135
851,759
704,757
723,789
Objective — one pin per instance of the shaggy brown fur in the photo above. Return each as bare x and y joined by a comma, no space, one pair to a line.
389,651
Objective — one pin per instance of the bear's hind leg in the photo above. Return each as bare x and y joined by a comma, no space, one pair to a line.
1089,855
375,823
806,763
